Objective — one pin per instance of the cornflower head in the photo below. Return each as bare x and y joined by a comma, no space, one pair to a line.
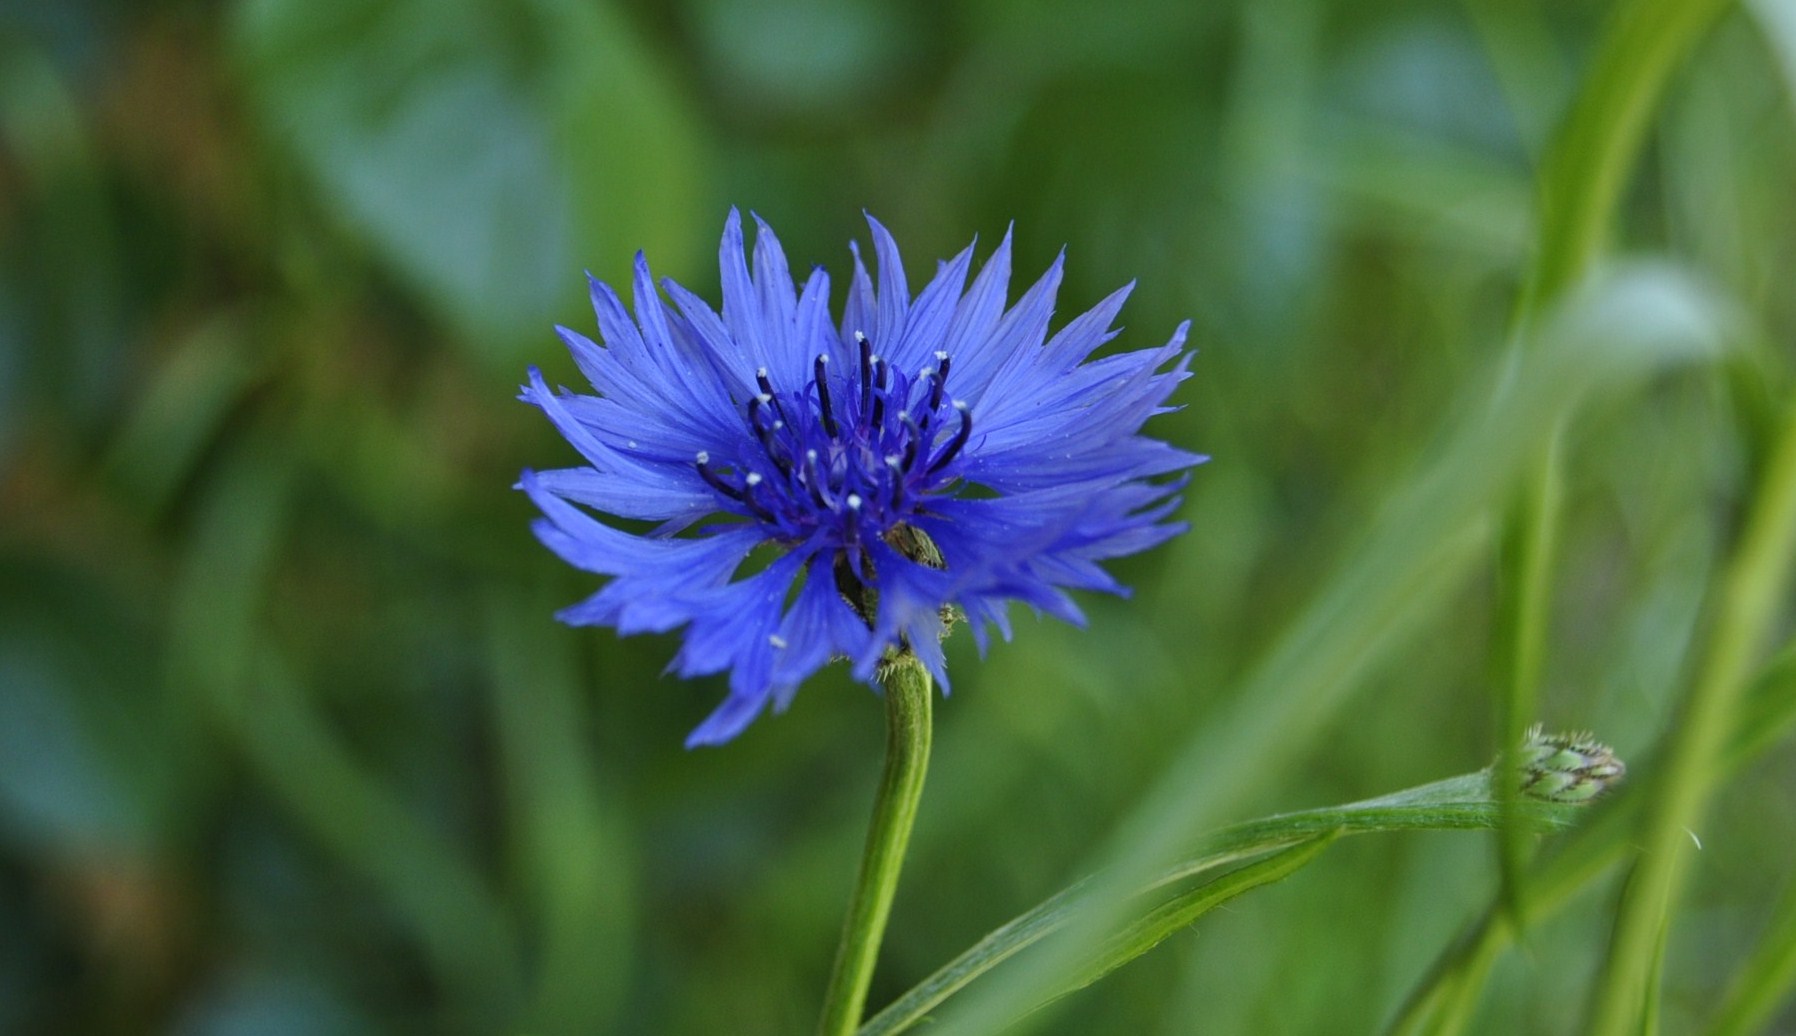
926,458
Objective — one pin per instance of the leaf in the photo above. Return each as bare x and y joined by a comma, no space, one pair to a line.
483,150
1458,803
1184,909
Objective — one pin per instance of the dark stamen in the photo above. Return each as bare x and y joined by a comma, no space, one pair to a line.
851,529
766,387
749,483
770,444
768,434
866,372
813,478
715,481
893,462
936,383
960,439
911,440
821,370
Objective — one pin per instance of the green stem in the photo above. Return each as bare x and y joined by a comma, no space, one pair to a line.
907,693
1530,543
1586,169
1594,150
1581,182
1750,601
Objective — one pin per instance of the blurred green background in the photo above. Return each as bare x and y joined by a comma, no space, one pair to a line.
289,742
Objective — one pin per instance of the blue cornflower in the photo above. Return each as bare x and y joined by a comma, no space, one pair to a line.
929,457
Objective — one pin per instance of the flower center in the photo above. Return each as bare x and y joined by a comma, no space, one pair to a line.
853,454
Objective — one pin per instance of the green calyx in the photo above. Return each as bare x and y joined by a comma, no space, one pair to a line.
1567,767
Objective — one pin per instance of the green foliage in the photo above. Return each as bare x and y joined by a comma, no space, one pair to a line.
1494,329
1287,842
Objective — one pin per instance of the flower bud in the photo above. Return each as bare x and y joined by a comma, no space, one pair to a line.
1567,767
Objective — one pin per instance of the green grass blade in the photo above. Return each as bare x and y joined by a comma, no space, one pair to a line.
1457,803
569,851
1523,612
1750,600
1428,539
1443,1001
1587,167
1182,910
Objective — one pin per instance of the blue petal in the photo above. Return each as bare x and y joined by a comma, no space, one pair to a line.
927,328
629,495
894,294
978,313
729,719
861,311
773,284
1019,333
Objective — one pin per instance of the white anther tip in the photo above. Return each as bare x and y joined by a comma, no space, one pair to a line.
753,479
940,355
854,501
776,640
704,457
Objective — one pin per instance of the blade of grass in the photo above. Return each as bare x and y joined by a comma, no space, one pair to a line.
1443,1001
1427,539
1457,803
1523,612
1183,910
1750,600
1587,165
571,857
1649,1009
1586,170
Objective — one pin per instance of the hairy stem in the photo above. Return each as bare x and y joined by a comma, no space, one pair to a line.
907,693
